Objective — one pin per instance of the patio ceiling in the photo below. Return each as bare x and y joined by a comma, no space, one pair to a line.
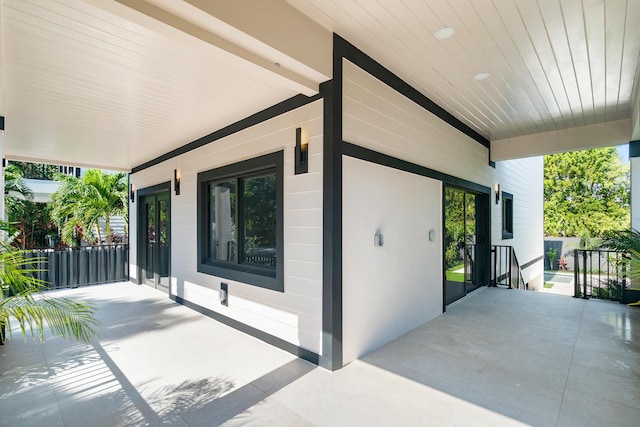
117,83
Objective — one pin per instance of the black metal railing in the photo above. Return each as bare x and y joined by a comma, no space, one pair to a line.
73,267
601,274
505,268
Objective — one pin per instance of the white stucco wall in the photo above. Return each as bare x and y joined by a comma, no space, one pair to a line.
294,315
389,289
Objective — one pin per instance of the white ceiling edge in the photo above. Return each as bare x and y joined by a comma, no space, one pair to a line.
559,141
205,27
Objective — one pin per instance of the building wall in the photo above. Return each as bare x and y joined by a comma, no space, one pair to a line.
524,178
294,315
386,296
388,289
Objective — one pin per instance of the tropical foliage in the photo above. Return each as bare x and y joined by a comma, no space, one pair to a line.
586,193
22,302
82,203
30,218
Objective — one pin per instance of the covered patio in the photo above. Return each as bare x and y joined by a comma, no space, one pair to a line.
497,357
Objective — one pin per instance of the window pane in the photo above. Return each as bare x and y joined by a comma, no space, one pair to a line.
222,225
259,214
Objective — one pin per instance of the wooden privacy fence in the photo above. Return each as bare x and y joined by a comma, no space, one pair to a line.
69,268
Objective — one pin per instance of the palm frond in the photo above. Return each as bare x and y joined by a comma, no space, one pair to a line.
623,240
65,317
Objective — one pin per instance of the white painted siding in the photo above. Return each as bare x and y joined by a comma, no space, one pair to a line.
295,315
381,119
524,178
388,290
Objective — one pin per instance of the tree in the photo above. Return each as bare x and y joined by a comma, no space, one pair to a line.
586,193
20,299
31,218
81,203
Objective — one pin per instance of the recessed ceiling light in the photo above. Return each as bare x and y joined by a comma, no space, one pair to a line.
444,33
481,76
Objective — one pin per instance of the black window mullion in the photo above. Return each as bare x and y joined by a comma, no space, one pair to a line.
240,220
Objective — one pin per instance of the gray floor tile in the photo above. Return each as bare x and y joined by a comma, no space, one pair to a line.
497,357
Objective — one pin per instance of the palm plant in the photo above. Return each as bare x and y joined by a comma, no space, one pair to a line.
627,241
81,203
21,300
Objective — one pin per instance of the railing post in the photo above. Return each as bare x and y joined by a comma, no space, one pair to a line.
510,250
584,274
576,275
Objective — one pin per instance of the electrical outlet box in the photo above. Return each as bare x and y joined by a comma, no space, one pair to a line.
224,294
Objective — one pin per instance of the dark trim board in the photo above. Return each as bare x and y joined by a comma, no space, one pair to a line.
242,327
332,219
371,66
634,148
254,119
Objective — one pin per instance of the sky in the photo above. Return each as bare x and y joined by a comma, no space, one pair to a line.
623,152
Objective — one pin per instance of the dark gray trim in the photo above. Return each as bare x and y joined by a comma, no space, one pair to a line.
263,336
245,273
362,153
533,261
634,148
364,61
129,227
147,191
507,229
331,357
259,117
1,122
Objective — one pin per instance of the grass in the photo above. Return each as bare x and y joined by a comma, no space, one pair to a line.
548,285
452,276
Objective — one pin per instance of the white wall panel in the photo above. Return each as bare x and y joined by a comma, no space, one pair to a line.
388,290
296,314
381,119
524,178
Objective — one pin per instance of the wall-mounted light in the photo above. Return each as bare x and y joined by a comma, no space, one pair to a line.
497,190
176,181
132,193
301,154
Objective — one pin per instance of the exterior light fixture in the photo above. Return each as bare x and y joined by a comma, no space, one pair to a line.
132,193
176,181
301,154
497,190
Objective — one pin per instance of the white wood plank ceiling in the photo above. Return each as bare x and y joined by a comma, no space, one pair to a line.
553,64
97,83
115,84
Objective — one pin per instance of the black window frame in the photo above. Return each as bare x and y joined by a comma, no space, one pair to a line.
507,215
252,274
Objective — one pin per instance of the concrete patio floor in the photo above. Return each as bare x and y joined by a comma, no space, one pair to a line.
497,357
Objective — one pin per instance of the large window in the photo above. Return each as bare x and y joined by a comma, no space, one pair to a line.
507,215
240,222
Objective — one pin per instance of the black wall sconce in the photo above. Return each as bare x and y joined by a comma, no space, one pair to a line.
132,193
497,190
301,154
176,182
